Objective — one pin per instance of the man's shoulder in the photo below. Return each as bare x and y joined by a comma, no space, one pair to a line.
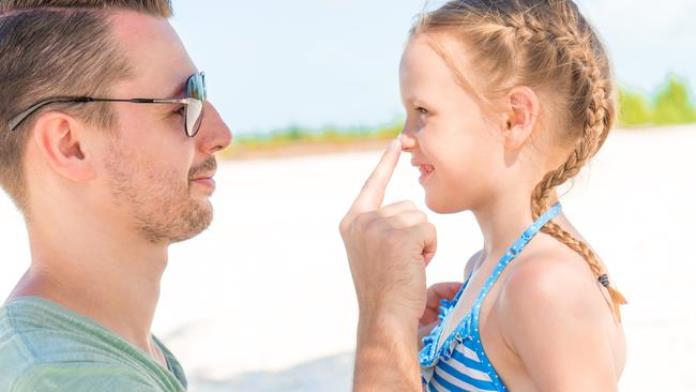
62,366
77,377
43,347
37,355
33,331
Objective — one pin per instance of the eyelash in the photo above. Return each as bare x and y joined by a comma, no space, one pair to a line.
422,110
180,110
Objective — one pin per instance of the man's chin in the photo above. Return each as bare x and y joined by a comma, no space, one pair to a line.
201,224
193,222
186,236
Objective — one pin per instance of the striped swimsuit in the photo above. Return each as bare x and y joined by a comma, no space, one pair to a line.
460,363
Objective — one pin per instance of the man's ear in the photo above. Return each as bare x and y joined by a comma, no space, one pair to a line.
58,136
522,113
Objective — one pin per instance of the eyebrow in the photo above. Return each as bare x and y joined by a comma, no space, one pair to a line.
416,100
180,87
178,91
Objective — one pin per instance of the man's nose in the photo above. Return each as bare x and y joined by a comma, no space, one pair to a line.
214,134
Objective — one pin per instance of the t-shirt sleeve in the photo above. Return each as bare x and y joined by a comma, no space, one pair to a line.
76,377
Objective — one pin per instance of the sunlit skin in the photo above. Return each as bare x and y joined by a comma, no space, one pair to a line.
105,205
546,324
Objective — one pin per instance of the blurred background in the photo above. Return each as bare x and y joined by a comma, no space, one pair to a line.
332,65
263,300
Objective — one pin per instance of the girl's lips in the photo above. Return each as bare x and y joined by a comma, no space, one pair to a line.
426,171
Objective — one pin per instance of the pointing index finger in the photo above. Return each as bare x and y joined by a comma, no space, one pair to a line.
372,194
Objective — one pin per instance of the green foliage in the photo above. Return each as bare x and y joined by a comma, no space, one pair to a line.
634,109
671,105
294,134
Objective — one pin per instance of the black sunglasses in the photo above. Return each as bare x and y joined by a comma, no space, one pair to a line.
195,97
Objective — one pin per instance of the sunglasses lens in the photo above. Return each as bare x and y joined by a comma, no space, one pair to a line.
194,115
195,88
197,94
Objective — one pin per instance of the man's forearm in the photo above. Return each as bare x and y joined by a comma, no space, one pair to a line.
387,356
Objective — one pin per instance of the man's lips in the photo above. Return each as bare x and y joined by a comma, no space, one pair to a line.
206,180
203,176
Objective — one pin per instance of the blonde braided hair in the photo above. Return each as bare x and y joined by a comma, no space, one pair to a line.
542,43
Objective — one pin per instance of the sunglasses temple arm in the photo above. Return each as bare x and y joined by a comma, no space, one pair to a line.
20,118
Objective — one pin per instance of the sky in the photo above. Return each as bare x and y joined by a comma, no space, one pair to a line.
275,63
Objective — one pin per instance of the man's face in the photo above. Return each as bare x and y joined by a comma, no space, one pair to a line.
158,179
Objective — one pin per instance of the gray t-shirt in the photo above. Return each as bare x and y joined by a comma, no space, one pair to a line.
45,347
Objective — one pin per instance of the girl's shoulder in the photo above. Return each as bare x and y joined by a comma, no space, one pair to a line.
548,277
551,311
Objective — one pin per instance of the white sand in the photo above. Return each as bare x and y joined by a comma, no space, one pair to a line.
267,287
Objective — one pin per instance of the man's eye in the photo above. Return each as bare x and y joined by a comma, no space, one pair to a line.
181,110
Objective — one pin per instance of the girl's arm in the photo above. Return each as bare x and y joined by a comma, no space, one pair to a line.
555,318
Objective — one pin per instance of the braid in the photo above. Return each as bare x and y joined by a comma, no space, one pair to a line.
594,133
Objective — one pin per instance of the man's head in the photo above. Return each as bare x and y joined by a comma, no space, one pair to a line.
129,163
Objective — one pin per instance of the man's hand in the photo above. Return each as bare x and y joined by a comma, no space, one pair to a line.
388,248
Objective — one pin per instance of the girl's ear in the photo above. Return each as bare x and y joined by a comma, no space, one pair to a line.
522,112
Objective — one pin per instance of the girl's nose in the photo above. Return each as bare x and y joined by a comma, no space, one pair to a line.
408,142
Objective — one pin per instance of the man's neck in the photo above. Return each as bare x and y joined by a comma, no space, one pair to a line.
101,275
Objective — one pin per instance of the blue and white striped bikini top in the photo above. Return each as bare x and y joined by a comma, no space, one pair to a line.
461,364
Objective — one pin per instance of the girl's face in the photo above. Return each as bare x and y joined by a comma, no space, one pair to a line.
456,145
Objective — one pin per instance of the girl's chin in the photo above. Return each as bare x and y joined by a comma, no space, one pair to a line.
441,204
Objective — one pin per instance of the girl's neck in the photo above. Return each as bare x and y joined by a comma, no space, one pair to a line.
503,219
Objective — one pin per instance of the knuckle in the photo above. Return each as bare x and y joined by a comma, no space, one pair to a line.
351,226
396,220
405,205
344,226
393,237
373,226
427,226
361,220
422,216
381,213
